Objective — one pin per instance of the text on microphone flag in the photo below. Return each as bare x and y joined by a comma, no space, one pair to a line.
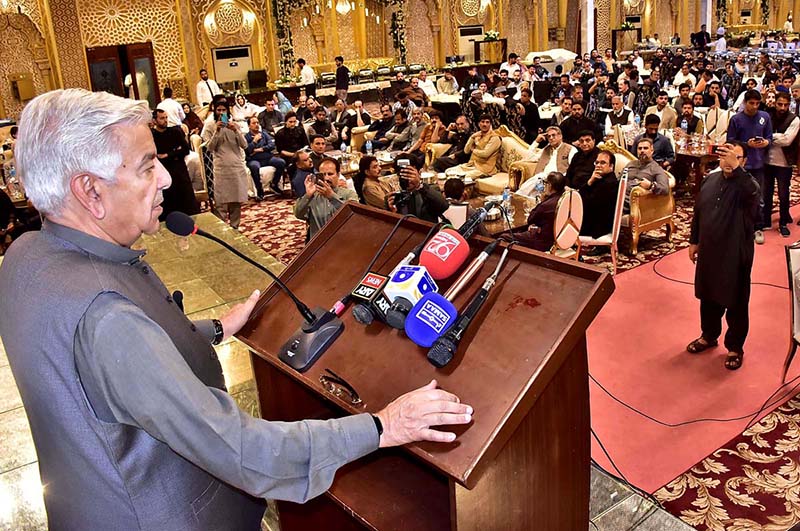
433,315
442,245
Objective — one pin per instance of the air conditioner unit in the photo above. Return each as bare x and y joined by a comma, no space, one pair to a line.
232,64
746,17
467,35
636,20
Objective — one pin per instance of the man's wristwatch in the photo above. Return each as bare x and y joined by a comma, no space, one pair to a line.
378,424
218,332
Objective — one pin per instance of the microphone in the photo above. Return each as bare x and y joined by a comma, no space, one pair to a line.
313,338
448,249
444,348
377,304
407,286
434,313
372,302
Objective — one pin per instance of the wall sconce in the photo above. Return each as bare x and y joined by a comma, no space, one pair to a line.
343,7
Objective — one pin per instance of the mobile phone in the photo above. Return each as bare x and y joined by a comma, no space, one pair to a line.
402,163
713,149
224,117
318,177
758,138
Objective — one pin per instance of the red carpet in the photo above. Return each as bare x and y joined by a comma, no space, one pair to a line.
636,350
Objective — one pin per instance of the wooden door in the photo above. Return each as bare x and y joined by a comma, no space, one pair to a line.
105,70
142,66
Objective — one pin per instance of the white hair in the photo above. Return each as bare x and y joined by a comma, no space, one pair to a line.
66,132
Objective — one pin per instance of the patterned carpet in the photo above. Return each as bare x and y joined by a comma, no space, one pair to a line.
750,484
272,226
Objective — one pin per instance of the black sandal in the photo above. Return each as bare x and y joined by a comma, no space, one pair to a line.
734,360
699,345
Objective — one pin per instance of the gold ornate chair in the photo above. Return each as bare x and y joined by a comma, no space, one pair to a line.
610,239
648,211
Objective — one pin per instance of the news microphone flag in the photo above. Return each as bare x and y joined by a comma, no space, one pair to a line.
444,253
429,319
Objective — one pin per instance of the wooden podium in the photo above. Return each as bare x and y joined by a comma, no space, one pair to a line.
522,464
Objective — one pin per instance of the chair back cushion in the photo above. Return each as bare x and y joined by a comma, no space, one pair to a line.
456,214
512,149
569,217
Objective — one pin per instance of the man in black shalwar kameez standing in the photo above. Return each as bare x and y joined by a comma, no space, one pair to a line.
722,248
172,148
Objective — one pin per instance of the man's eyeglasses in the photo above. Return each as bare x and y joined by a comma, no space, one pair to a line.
338,387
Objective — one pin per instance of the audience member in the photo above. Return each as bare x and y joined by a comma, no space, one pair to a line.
270,117
259,154
645,172
174,110
540,233
753,127
555,157
230,172
663,153
424,201
458,133
666,114
342,78
599,194
323,197
780,158
582,166
291,138
171,149
374,191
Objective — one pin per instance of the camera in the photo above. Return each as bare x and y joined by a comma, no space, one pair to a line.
401,198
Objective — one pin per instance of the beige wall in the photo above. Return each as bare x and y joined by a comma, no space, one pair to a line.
21,45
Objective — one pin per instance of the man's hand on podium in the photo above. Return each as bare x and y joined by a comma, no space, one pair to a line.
409,418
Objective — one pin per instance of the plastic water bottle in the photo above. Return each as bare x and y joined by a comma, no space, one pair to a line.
637,120
343,147
369,147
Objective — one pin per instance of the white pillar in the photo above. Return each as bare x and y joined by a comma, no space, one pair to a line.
588,41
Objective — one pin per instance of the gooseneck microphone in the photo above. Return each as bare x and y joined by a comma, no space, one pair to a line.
318,332
444,348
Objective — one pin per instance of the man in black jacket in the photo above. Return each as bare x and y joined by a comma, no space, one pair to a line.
342,78
581,167
458,134
270,117
172,148
576,123
422,200
599,196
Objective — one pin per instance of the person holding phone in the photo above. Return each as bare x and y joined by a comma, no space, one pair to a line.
231,176
754,127
323,197
422,200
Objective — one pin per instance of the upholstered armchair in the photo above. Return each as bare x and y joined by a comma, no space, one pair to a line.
359,135
513,149
433,152
648,211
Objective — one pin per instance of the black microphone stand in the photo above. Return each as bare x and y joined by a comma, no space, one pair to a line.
316,334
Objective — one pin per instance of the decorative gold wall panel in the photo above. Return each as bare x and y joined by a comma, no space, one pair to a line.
71,53
516,26
347,41
376,33
201,8
572,26
603,34
303,39
420,37
31,8
552,18
21,45
664,20
113,22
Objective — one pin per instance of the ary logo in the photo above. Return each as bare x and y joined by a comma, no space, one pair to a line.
433,315
442,245
364,291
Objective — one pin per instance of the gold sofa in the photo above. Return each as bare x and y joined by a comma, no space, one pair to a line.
512,150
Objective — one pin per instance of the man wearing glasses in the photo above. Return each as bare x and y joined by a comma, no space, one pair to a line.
599,196
556,156
726,211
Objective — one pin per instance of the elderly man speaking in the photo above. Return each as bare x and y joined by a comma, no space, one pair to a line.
124,394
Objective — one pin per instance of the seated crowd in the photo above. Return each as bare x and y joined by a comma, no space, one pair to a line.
597,99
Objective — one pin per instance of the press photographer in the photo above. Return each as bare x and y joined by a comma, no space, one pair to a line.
422,200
